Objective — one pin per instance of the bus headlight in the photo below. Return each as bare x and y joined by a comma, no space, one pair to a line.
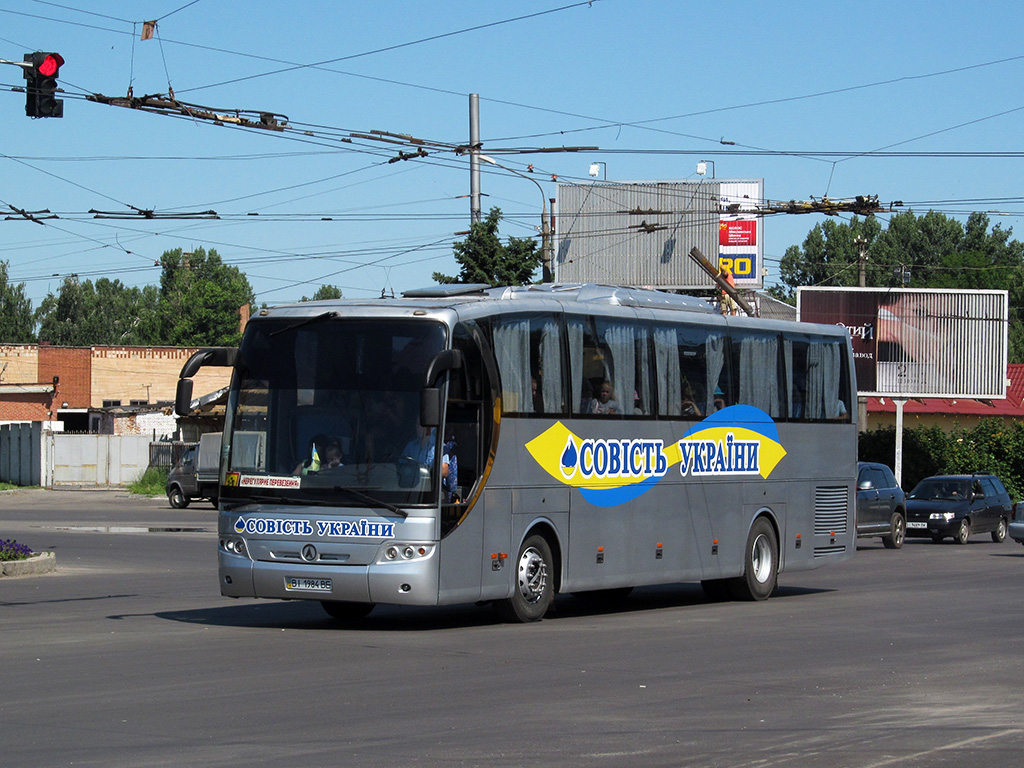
233,545
399,552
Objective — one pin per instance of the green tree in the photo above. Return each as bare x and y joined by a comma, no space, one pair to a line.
485,259
107,313
200,299
16,320
325,292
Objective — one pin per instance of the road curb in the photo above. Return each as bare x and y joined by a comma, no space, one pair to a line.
44,562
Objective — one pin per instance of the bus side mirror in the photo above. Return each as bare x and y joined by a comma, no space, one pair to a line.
430,407
183,397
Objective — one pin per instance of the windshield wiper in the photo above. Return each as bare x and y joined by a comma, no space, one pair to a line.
371,500
301,323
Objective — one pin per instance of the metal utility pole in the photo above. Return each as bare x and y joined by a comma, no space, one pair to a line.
862,260
474,158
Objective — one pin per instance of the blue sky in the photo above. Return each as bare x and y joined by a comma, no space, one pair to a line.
656,86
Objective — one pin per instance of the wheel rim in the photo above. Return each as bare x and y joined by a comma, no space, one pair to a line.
964,531
761,559
898,531
533,576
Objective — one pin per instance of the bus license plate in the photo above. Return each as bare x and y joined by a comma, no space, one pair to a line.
294,584
917,525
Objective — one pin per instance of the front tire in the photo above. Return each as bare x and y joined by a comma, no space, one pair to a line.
897,532
999,534
177,499
760,563
963,533
534,589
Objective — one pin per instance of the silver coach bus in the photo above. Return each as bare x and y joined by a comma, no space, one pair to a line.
470,444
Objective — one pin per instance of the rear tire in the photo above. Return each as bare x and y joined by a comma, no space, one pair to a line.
534,588
999,534
177,499
344,611
963,533
760,564
897,532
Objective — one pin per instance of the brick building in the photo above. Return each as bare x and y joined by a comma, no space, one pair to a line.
88,388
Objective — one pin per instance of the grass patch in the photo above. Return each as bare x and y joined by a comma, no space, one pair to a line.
153,482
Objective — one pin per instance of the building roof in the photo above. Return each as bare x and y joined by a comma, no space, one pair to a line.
1012,406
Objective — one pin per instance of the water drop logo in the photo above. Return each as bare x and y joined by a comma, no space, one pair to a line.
569,458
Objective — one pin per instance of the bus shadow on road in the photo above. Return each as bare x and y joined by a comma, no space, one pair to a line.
308,615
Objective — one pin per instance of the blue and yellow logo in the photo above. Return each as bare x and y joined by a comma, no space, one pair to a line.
739,440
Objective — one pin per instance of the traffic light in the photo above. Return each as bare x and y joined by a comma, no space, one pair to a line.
41,90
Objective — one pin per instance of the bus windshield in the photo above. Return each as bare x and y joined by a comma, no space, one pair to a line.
326,411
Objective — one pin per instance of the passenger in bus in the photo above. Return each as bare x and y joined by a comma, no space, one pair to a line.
719,401
450,473
421,447
324,453
689,404
604,402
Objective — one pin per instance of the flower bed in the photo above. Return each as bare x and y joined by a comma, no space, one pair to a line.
19,560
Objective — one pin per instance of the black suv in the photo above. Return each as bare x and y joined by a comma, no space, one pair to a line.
880,504
957,506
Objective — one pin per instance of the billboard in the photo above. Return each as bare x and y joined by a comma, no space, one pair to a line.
641,233
740,231
913,342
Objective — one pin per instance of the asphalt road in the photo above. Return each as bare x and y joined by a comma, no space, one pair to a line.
129,656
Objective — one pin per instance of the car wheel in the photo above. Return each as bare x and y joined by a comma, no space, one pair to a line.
963,532
534,588
999,534
760,564
897,532
177,499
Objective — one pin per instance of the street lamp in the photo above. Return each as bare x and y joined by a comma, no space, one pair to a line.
545,230
702,168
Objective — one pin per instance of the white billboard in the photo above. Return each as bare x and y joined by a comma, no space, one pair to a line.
914,342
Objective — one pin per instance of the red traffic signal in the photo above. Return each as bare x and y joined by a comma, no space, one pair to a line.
41,89
50,65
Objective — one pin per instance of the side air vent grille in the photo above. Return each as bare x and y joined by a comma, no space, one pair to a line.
828,551
831,509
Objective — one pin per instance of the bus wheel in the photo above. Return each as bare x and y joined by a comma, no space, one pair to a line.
760,564
343,611
534,589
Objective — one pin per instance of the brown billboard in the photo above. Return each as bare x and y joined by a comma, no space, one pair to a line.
910,342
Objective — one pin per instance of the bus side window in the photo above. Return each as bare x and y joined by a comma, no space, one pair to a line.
816,376
529,354
756,363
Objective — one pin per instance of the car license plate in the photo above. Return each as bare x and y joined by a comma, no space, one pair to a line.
294,584
917,525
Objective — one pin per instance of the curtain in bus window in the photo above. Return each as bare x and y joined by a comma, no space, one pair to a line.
787,361
574,329
645,396
831,362
512,348
550,366
669,375
759,373
714,348
814,397
619,339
